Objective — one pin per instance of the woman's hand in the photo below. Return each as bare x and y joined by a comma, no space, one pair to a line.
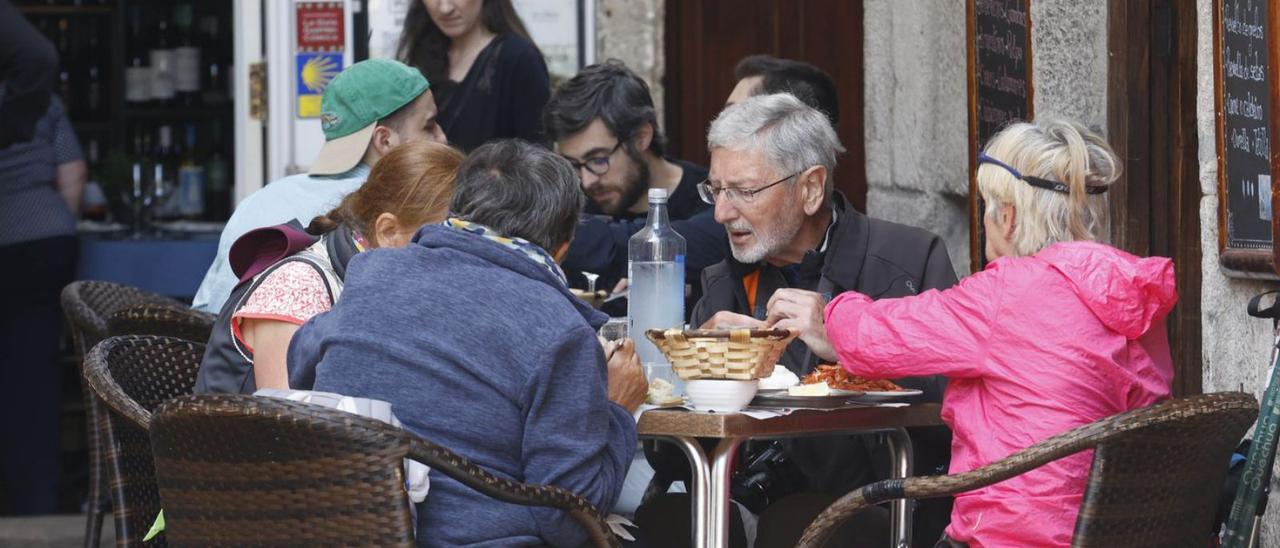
627,385
801,310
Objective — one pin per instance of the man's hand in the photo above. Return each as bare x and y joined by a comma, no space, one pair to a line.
627,385
728,320
801,310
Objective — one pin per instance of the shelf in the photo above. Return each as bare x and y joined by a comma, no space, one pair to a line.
177,112
65,10
91,126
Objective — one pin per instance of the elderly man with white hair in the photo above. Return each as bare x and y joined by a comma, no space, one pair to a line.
796,243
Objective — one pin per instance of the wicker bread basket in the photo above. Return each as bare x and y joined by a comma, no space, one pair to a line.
739,354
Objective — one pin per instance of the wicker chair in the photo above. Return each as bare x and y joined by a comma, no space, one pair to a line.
87,304
240,470
165,320
133,375
1156,474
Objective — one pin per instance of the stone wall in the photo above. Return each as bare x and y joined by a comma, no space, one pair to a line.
917,109
1069,60
1236,347
632,31
916,118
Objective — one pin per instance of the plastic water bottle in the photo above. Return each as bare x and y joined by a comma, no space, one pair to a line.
656,271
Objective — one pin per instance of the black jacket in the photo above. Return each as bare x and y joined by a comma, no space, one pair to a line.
873,257
877,258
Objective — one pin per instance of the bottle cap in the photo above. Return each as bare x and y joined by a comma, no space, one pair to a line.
658,195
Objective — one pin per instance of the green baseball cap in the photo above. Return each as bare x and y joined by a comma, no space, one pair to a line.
352,104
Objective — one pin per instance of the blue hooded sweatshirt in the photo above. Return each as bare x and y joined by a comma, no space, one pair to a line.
485,352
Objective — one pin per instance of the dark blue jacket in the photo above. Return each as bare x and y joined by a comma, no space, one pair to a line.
485,352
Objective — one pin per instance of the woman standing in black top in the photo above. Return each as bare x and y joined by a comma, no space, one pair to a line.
489,78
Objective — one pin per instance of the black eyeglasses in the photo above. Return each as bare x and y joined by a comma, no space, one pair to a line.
710,193
598,165
1036,181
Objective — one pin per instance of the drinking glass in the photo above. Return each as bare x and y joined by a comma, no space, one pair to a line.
614,330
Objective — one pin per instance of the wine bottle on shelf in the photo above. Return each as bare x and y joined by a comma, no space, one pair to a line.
137,76
93,203
217,177
186,57
138,196
66,88
216,86
91,55
191,179
164,177
162,66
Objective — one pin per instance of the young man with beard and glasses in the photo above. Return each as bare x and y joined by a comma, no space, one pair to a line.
796,243
603,122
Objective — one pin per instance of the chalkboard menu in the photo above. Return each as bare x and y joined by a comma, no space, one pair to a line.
1000,92
1243,66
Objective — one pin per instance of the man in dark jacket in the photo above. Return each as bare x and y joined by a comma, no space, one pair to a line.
604,123
795,243
472,336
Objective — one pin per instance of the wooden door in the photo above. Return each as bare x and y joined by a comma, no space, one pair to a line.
706,38
1151,115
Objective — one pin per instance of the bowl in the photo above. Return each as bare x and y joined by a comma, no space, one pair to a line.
720,395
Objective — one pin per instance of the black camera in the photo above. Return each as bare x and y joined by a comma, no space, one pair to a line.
767,475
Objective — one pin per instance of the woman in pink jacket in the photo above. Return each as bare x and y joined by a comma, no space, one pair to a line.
1058,331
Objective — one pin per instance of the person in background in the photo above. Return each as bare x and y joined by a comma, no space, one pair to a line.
408,188
473,337
40,184
766,75
366,111
1020,375
490,79
28,73
603,121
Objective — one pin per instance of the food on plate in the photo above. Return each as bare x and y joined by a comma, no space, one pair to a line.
660,393
780,379
814,389
836,377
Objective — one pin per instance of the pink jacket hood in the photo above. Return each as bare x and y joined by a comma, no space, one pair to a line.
1126,293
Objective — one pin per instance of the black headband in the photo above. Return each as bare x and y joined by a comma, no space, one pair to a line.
1037,181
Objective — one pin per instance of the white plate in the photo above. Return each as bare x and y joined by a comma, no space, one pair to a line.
837,398
894,395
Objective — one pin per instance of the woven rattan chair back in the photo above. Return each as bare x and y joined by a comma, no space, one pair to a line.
87,304
251,470
179,322
1155,481
237,470
132,375
1159,485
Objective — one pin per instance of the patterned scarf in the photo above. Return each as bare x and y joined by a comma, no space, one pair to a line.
522,246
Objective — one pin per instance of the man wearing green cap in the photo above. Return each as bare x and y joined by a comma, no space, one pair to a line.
367,110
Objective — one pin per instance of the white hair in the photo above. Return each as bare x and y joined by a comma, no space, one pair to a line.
1058,150
792,135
